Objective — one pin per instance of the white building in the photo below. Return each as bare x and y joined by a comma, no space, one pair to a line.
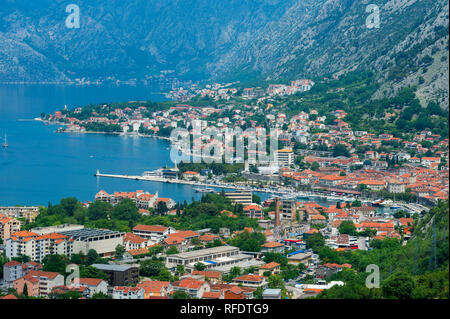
128,293
285,157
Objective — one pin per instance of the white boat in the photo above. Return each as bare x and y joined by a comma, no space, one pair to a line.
387,203
5,145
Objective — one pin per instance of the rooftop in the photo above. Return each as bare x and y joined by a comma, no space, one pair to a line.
113,267
88,233
207,251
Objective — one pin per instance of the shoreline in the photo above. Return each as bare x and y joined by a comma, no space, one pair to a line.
95,132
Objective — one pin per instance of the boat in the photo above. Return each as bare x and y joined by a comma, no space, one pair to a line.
387,203
5,145
204,190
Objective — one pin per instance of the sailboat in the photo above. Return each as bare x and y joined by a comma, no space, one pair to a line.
5,145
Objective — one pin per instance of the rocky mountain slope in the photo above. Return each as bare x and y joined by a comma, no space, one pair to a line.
251,39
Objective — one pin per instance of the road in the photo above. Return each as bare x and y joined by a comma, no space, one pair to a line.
298,294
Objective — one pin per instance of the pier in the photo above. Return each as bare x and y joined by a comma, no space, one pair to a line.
288,193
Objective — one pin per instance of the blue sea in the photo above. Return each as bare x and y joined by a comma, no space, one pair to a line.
41,166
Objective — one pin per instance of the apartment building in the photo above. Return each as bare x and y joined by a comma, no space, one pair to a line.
37,247
240,197
8,225
28,213
11,271
289,210
285,157
39,283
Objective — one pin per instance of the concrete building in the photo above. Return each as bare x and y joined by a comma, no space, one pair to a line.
120,275
221,259
240,197
395,186
289,210
285,158
103,241
56,229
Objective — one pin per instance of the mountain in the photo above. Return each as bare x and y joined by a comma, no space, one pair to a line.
229,40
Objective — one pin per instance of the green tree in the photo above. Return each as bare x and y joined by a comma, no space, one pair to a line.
347,227
119,251
172,250
398,286
125,210
55,263
178,294
340,150
100,295
199,267
315,241
92,257
25,290
99,210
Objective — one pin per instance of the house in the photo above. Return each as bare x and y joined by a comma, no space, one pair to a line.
180,243
251,281
155,288
121,292
39,283
95,285
155,233
195,288
375,185
208,275
253,211
272,267
190,175
170,203
213,295
61,290
272,247
132,241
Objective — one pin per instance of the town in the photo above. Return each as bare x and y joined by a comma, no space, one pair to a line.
342,196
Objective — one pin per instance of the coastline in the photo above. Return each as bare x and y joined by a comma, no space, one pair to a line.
94,132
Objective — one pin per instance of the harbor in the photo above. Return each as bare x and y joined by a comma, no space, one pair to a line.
286,193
